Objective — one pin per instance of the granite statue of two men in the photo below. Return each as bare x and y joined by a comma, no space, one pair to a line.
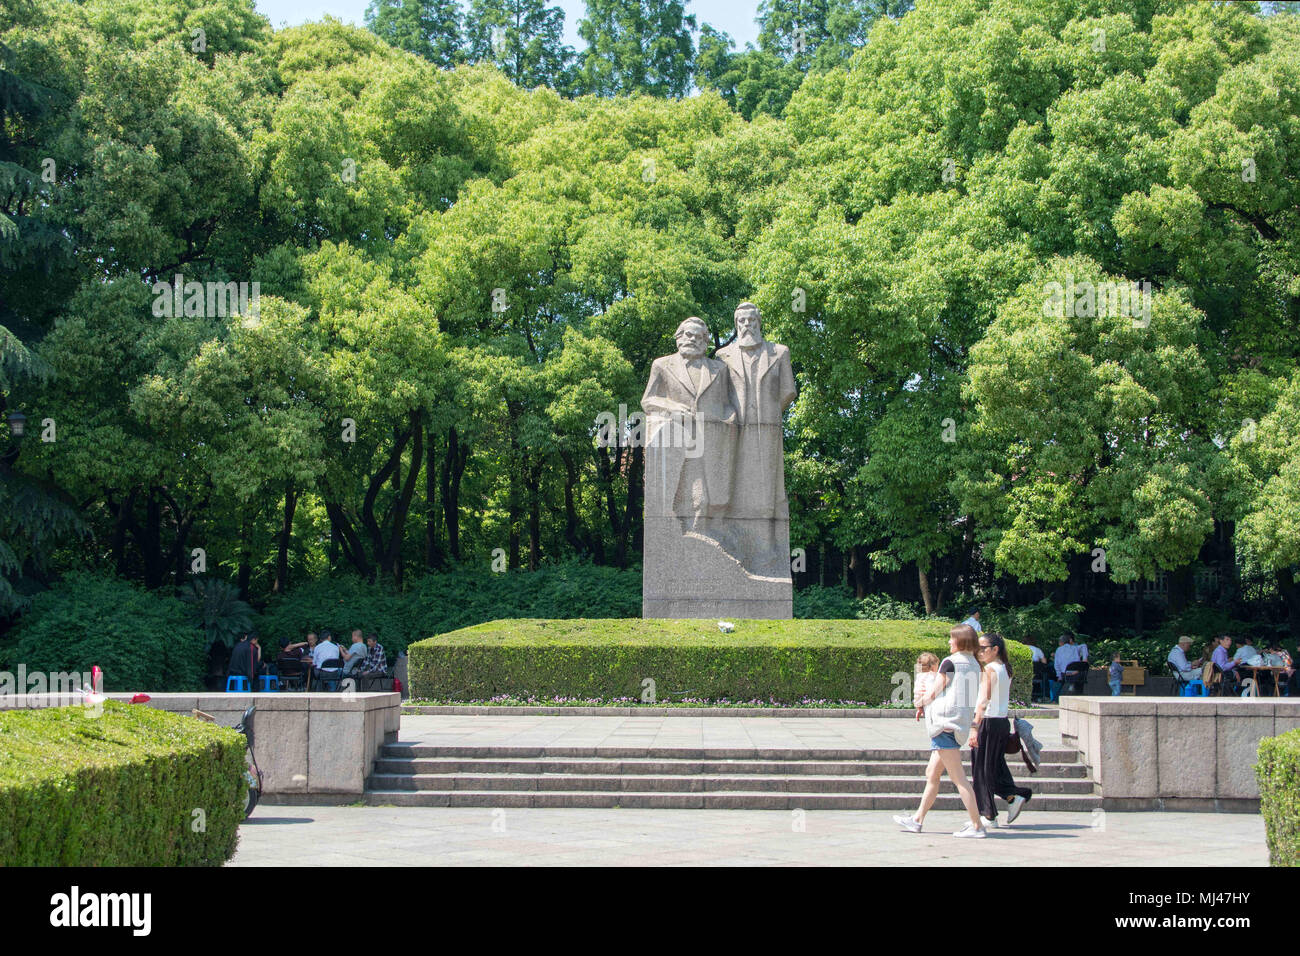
717,518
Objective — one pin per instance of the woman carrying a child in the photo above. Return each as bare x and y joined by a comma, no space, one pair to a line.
945,695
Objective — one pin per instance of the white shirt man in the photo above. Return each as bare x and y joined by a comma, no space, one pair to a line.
974,621
1080,650
1065,655
1037,654
1247,653
324,651
1178,657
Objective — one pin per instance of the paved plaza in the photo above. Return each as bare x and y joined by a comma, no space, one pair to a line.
523,836
686,733
442,836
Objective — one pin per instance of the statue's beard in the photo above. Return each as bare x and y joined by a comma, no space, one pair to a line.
690,354
750,336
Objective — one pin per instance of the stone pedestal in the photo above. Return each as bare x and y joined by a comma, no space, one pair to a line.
690,574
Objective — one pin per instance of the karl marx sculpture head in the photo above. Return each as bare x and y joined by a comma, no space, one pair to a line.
749,325
692,336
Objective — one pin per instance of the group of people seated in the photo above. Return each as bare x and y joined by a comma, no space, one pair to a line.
1216,666
317,658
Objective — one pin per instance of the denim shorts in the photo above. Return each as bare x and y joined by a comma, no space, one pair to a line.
944,741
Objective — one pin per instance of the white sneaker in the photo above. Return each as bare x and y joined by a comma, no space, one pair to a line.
1017,805
908,823
991,824
972,831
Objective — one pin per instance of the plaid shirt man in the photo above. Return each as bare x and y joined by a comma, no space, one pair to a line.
375,662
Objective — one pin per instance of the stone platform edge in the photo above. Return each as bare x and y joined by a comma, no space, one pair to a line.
484,710
1175,753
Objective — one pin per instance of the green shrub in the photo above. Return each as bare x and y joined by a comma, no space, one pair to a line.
836,602
143,640
881,607
1041,624
1278,772
784,661
436,603
216,605
825,603
120,789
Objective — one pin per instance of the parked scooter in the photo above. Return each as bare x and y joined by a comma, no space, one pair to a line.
252,773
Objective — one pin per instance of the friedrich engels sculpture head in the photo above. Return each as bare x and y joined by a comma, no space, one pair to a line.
749,326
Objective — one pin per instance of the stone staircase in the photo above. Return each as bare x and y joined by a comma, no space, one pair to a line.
408,774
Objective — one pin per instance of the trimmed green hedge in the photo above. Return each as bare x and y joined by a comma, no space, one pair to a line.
120,789
1278,772
783,661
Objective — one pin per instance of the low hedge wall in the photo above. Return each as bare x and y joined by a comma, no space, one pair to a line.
1278,772
120,789
783,661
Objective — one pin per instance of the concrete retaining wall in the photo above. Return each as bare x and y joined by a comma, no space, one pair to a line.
1174,753
311,748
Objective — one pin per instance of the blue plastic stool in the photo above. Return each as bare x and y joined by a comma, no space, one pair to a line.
236,684
269,679
1194,688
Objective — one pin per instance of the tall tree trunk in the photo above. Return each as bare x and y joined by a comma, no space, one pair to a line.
513,508
393,464
402,506
635,514
534,514
571,536
631,505
433,554
923,580
453,468
245,550
608,462
354,551
286,531
121,521
856,563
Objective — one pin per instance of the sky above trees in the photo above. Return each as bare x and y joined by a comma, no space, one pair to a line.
735,17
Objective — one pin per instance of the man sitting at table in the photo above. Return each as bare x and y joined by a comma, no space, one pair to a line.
355,654
1248,653
1066,654
376,661
325,650
1187,670
1228,667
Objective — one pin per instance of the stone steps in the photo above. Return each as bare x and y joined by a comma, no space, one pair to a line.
684,784
400,749
753,778
627,766
722,800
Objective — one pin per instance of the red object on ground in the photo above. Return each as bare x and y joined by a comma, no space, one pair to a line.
139,698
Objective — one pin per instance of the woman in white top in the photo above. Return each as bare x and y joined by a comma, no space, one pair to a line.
948,706
989,734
